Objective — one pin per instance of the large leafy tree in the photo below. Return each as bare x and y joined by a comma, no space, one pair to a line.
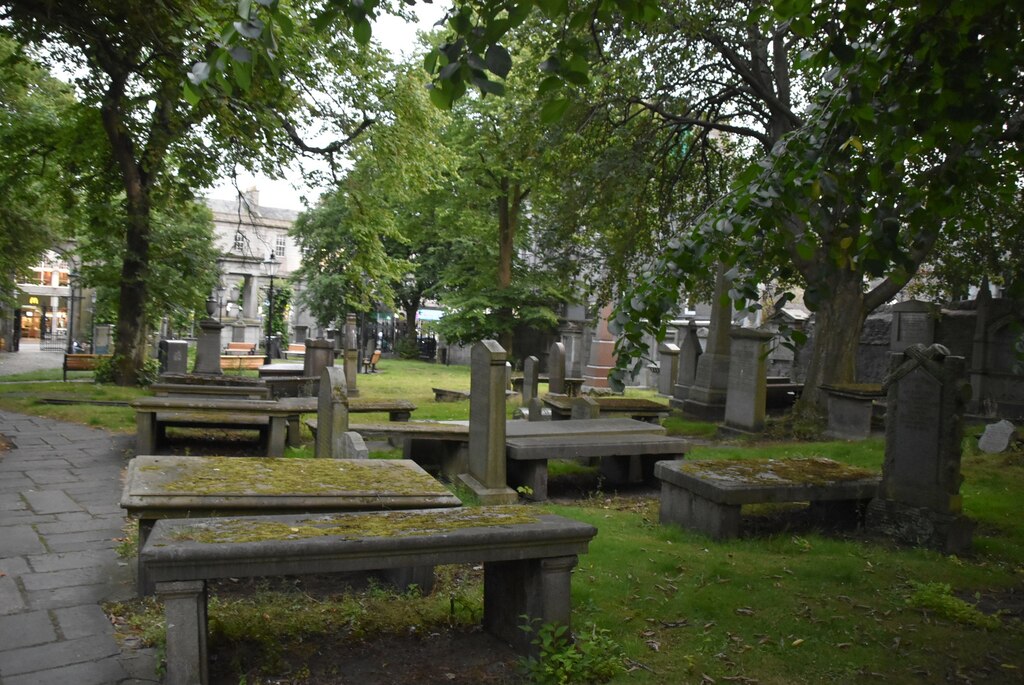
129,60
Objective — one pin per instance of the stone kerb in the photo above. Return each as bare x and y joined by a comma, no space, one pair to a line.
331,415
919,499
747,388
556,368
487,472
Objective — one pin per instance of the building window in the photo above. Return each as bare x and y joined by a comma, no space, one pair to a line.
239,243
279,246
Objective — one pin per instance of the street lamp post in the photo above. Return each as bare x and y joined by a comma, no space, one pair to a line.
72,277
270,265
220,302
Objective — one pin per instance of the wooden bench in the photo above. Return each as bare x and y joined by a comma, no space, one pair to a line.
624,458
165,487
240,348
527,559
240,362
707,496
370,363
295,350
153,415
81,362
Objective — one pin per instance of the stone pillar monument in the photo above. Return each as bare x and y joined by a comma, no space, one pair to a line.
748,380
487,476
531,370
919,501
208,348
602,353
351,355
706,397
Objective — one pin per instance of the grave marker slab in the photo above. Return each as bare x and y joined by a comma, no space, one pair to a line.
996,437
487,475
531,375
745,399
331,415
351,355
556,368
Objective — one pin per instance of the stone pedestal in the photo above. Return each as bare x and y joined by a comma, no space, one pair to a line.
745,399
602,353
487,476
919,499
208,348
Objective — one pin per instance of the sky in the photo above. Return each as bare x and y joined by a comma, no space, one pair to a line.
394,34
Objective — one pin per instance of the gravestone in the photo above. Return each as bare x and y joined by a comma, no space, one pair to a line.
531,372
668,370
208,348
487,475
537,410
174,356
913,323
601,360
102,334
556,368
585,407
747,390
919,499
353,446
689,354
996,437
706,397
318,356
331,414
351,355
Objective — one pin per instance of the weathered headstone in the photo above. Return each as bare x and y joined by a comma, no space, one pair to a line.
487,475
745,401
601,360
331,414
585,407
537,410
318,356
668,369
556,368
208,348
175,356
531,371
706,397
913,323
689,353
353,446
919,499
996,437
351,355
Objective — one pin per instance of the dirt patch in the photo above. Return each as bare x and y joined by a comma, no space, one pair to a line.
6,444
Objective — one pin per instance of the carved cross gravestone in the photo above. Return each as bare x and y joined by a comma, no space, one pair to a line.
919,499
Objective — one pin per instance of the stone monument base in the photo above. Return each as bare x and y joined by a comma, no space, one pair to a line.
705,411
487,496
920,527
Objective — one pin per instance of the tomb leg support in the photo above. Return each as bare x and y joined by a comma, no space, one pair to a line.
277,437
621,469
185,610
142,584
537,588
683,508
145,432
402,578
294,431
529,473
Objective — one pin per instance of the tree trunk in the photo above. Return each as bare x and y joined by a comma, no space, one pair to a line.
837,328
508,221
411,308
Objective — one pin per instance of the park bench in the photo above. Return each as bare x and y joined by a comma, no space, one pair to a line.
153,415
527,560
242,348
707,496
240,362
159,487
370,363
297,350
81,362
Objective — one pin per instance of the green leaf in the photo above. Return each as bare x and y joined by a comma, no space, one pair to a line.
362,31
553,8
243,73
498,60
285,23
244,8
430,61
191,96
441,98
548,85
488,86
325,19
553,110
576,77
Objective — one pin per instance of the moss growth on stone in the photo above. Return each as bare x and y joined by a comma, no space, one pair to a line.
266,476
378,524
804,471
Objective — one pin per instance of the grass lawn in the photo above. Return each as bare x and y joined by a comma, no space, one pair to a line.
784,603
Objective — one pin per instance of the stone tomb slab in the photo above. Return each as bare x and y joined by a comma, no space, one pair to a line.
611,407
159,487
707,495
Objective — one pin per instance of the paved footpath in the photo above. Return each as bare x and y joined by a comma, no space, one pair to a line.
60,485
